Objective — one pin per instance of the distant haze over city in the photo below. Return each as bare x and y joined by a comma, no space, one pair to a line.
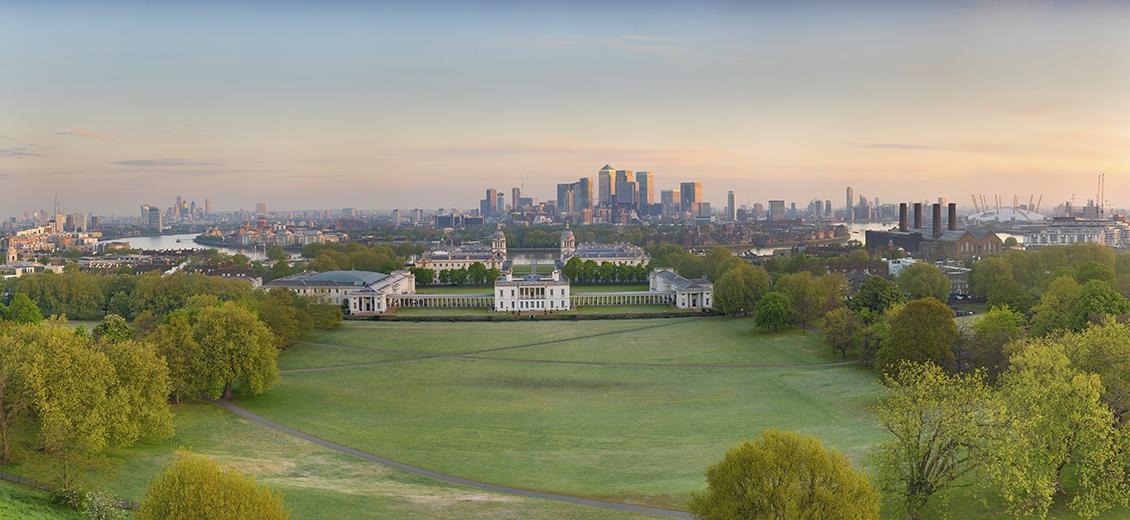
341,104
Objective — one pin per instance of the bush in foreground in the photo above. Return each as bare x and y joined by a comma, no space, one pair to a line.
785,475
195,487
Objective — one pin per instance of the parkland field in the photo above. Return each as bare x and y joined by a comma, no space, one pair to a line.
624,411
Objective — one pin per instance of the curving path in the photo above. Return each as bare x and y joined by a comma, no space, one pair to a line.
455,355
486,486
420,356
663,365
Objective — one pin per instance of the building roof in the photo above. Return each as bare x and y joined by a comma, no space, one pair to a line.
459,255
329,279
680,283
1007,215
598,251
953,236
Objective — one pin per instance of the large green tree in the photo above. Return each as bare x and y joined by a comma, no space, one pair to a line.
176,344
939,427
843,329
922,331
1056,310
740,288
1104,350
1096,300
805,295
774,311
15,395
113,328
193,486
23,310
238,350
785,475
991,335
1055,420
923,280
876,294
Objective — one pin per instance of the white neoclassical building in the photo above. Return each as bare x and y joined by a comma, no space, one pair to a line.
363,293
532,293
615,254
465,256
688,293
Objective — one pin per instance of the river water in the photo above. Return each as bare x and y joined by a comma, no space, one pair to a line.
179,242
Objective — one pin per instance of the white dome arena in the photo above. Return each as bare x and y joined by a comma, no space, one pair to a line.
1007,215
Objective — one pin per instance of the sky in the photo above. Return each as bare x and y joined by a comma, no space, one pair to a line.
336,104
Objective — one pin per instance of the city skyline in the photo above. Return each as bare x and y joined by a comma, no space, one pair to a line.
116,106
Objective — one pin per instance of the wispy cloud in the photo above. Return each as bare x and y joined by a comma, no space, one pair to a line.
894,146
86,134
162,163
18,152
638,43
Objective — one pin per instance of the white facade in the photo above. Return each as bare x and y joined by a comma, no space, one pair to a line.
896,265
362,293
689,294
533,293
1065,231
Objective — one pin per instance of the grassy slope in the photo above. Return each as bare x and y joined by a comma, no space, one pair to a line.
316,482
633,434
24,503
643,435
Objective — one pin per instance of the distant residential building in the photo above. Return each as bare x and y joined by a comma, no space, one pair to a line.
731,207
669,203
645,182
690,194
777,212
896,265
151,218
607,185
1068,230
626,188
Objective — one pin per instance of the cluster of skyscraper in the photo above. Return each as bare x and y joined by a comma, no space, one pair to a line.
619,196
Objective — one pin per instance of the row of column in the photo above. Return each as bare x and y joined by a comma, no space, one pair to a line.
445,301
648,298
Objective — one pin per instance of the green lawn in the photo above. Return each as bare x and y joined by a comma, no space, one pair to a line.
25,503
623,309
523,414
317,483
635,434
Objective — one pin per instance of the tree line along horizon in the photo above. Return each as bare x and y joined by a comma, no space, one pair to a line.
1052,345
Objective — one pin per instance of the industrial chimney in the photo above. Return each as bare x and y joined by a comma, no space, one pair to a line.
952,216
902,217
937,229
918,215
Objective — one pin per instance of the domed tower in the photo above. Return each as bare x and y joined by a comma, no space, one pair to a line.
568,242
498,242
